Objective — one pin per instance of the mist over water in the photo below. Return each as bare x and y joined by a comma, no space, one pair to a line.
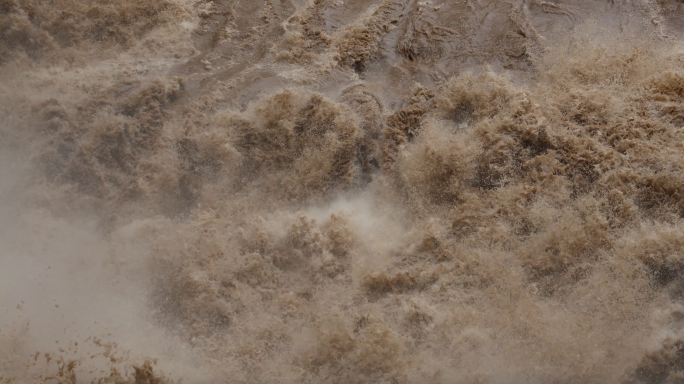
341,191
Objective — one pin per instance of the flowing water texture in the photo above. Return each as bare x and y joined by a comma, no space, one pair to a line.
341,191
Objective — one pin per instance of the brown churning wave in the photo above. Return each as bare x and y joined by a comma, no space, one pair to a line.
345,191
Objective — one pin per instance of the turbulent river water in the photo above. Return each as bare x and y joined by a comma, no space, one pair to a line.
341,191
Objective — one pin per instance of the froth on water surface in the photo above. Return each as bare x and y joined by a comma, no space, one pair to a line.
341,191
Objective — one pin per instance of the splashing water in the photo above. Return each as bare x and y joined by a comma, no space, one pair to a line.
341,191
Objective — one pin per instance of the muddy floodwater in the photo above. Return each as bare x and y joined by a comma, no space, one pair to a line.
341,191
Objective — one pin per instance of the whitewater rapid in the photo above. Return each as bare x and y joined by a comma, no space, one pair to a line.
341,191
